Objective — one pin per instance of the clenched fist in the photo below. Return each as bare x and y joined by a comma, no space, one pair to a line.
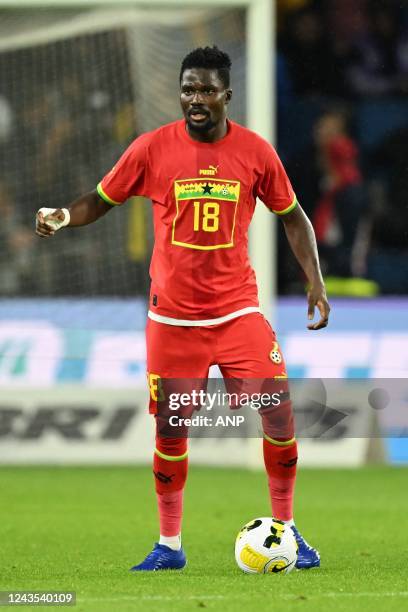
50,220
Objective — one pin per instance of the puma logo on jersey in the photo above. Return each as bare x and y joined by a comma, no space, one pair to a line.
210,171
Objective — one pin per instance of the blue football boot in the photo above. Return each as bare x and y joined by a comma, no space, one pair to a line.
307,556
162,558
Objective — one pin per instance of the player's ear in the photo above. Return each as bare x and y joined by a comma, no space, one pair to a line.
228,96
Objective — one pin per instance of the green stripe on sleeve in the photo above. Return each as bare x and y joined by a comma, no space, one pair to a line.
288,209
105,196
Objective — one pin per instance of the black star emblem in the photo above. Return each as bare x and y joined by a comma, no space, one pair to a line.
207,189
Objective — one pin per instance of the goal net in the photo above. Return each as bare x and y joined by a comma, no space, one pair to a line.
76,87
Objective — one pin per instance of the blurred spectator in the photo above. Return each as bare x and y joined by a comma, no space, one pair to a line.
287,7
380,63
347,20
388,261
307,53
390,161
17,241
343,201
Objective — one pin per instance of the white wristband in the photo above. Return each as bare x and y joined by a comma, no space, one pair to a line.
53,223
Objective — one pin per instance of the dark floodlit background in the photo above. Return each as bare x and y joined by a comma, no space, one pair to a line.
70,105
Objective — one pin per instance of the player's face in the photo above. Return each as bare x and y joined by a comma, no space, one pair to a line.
204,99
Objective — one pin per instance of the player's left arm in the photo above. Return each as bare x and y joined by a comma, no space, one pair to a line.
275,190
302,240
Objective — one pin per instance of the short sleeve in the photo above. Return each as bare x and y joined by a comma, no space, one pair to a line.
128,177
274,188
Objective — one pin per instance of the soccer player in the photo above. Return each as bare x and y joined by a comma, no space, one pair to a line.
203,175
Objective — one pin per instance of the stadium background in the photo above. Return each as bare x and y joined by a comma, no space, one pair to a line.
77,84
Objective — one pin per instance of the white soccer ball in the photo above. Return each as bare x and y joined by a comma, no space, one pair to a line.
266,545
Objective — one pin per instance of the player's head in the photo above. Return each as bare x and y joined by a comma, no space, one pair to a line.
205,87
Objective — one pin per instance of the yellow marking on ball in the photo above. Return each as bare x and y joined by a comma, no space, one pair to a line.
252,558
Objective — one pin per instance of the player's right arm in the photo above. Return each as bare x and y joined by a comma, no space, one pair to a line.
127,178
84,210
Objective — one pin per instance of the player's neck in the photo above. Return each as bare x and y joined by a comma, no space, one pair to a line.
213,135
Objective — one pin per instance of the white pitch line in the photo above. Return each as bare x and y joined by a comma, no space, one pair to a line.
224,597
151,598
368,594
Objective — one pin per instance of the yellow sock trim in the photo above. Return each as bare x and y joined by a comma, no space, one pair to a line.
170,457
280,442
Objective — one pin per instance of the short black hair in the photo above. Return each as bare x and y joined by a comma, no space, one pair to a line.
211,58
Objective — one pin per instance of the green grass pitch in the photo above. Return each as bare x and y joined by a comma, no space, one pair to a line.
82,528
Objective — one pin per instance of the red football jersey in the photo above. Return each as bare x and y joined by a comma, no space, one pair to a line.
203,196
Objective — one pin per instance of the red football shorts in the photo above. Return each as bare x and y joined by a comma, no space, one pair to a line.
244,349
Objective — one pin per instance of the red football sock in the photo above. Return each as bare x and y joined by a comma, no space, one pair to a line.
170,467
280,459
170,506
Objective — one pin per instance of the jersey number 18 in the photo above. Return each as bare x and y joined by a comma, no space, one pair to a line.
206,216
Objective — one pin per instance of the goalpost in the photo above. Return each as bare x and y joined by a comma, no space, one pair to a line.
260,98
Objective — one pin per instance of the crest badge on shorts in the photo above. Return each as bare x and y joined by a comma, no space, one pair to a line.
275,354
